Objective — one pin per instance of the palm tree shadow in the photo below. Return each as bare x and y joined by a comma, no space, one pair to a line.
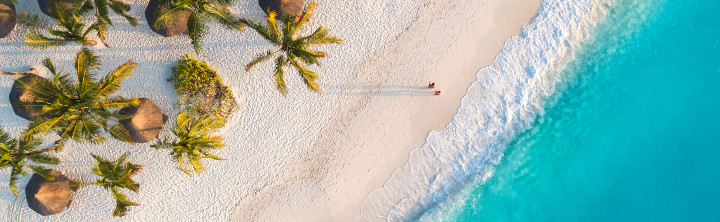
377,90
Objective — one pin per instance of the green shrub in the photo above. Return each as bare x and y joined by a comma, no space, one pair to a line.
200,89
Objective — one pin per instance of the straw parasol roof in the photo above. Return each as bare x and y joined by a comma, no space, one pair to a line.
46,4
49,197
17,94
146,123
7,20
179,26
282,7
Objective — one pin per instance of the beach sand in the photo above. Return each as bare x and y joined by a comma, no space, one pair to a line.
309,157
391,110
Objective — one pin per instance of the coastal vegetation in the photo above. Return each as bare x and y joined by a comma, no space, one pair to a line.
18,154
194,142
200,89
72,28
84,107
200,13
79,110
117,175
293,50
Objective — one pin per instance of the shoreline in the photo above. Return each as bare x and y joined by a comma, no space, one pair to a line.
329,181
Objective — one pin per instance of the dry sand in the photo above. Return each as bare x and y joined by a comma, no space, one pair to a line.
388,110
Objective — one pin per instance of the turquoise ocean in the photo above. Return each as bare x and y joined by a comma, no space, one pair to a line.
631,134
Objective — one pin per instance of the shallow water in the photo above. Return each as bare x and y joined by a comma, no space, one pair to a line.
633,133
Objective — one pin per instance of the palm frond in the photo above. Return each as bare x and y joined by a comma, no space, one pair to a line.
262,30
170,15
134,169
4,137
47,62
182,120
304,18
44,159
309,77
39,88
120,133
111,83
223,16
90,130
320,36
100,28
37,40
32,20
307,56
85,60
206,125
258,59
210,156
116,131
279,76
14,176
102,10
121,204
120,102
41,125
272,23
196,30
86,7
42,171
119,8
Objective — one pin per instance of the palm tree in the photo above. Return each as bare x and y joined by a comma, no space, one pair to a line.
16,154
81,110
201,11
194,141
294,50
116,175
73,30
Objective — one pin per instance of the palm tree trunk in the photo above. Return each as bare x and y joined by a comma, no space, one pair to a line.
32,71
53,148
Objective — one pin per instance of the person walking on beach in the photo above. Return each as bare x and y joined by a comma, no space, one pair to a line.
431,85
437,92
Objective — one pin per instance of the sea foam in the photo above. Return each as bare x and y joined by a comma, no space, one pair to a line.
504,101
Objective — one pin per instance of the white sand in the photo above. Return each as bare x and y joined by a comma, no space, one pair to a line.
390,111
305,157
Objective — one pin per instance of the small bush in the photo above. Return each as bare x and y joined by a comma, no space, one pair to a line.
200,89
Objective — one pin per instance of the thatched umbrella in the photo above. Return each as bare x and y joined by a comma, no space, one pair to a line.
49,197
282,7
17,94
146,123
177,27
7,19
